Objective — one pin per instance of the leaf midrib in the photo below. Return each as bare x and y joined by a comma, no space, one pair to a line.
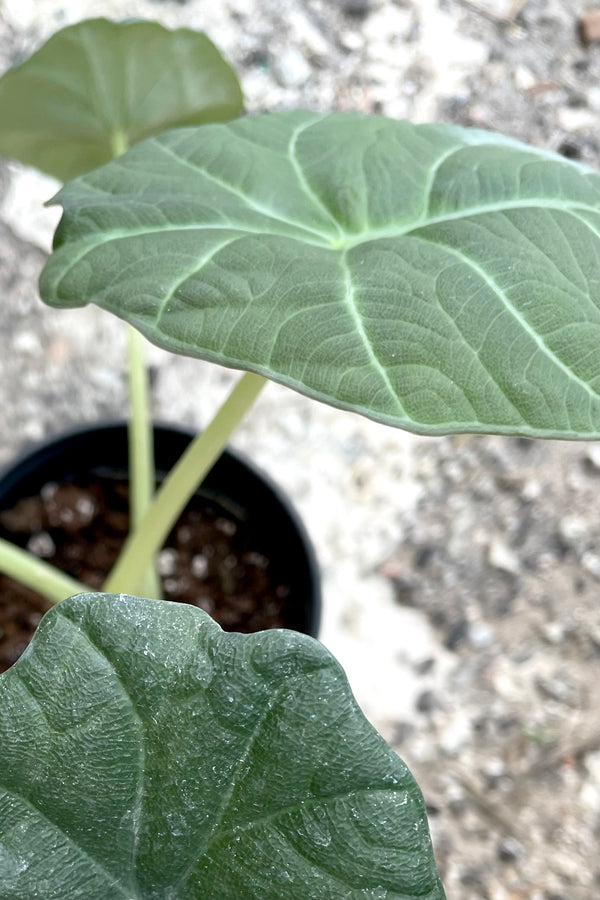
227,795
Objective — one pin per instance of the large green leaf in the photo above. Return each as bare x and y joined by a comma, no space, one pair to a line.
99,86
431,277
147,754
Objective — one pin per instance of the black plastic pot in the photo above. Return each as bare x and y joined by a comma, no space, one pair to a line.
233,482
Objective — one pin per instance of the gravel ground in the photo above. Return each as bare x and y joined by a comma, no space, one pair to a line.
460,574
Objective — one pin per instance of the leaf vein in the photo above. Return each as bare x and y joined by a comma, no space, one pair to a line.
228,794
112,881
398,232
512,309
433,175
302,179
189,273
252,204
350,300
317,800
137,809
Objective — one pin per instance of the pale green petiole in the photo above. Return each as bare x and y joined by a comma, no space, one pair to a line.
126,577
142,476
141,450
36,574
118,142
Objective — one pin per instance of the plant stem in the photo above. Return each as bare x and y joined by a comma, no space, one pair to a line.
36,574
179,486
118,143
142,475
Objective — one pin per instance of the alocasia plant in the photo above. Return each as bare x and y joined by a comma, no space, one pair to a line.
438,279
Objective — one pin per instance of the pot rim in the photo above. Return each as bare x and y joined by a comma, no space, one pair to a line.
26,458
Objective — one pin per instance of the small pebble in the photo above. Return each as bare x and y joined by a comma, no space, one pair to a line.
573,530
523,78
473,878
359,7
592,453
591,562
456,734
481,635
291,69
500,556
589,25
494,769
456,635
27,343
576,118
532,489
404,586
553,632
457,806
425,666
426,702
351,41
555,688
593,101
509,849
402,731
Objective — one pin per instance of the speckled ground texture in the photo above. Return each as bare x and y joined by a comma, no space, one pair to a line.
460,575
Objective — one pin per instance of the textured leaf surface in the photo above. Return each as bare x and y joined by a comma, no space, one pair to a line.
147,754
431,277
99,85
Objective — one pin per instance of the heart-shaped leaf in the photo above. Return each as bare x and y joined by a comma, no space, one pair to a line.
147,754
99,86
430,277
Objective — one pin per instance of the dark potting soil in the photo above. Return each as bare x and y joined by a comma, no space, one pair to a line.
209,559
